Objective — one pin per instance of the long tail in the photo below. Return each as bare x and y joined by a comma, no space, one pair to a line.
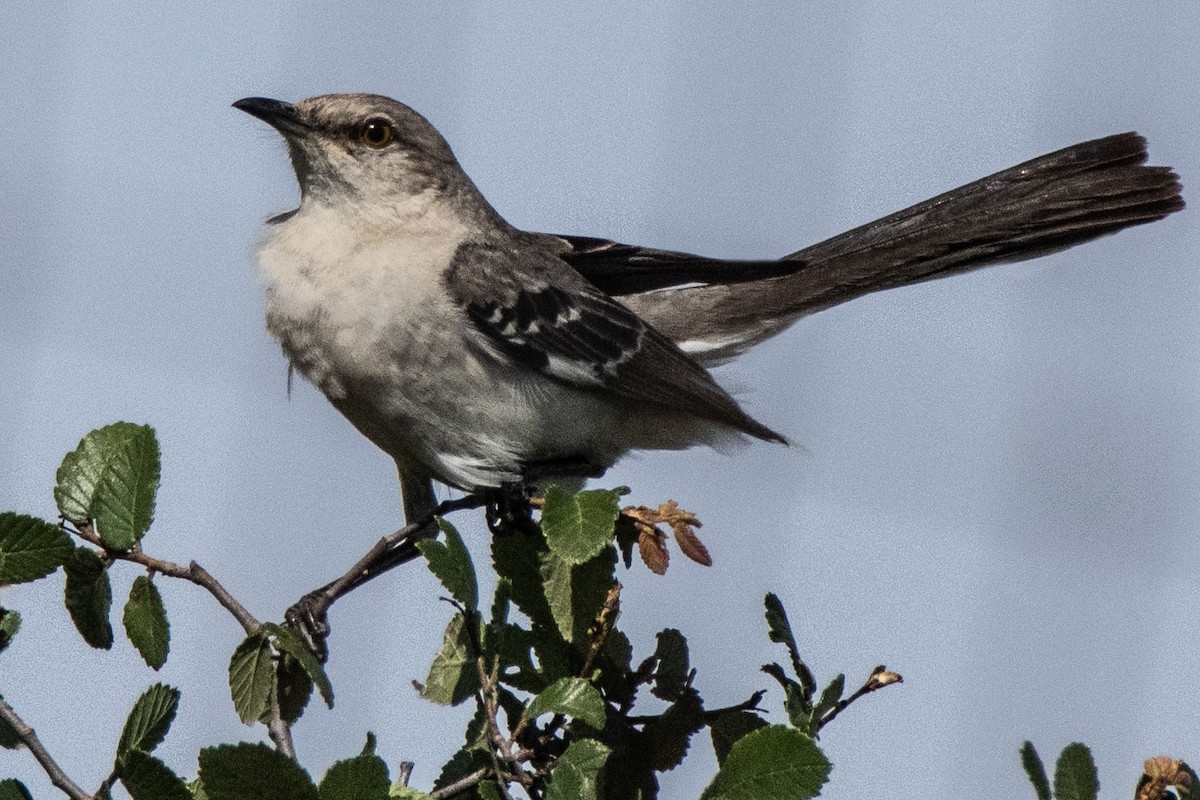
1048,204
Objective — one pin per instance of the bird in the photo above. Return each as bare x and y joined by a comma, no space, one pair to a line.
486,357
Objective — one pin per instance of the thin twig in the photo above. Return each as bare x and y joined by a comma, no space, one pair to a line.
501,747
280,731
192,572
461,784
30,740
879,678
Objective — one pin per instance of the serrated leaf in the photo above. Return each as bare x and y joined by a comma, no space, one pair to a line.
81,471
517,561
454,675
251,670
289,641
147,778
730,726
780,630
578,525
1035,770
771,763
293,688
30,548
10,623
149,720
828,700
574,697
576,592
794,704
123,504
513,646
671,674
451,563
146,624
1075,774
88,597
253,772
670,733
362,777
574,776
466,761
13,789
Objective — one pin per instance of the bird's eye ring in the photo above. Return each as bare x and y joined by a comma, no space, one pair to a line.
375,133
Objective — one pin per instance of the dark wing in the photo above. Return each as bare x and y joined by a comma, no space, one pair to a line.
540,313
620,269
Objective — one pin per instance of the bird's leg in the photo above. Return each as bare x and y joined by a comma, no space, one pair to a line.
508,508
310,614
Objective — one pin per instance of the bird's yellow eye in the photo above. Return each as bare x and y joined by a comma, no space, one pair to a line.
375,133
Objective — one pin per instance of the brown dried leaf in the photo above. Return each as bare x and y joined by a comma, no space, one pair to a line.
1160,774
691,546
652,545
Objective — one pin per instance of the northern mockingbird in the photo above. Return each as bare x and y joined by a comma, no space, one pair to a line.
484,356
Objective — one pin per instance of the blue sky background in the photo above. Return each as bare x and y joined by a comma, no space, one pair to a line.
998,495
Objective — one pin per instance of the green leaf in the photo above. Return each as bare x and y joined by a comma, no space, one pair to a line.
728,727
88,597
672,673
13,789
82,470
513,645
30,548
398,792
123,505
451,563
1075,774
293,687
288,640
780,630
830,697
10,623
454,675
253,772
574,697
576,592
251,670
799,712
147,778
578,525
670,733
149,720
771,763
1036,771
359,778
111,477
466,761
146,623
574,776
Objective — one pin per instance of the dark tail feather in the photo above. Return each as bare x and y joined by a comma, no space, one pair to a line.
1042,206
1039,207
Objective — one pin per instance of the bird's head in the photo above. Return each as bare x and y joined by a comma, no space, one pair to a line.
358,148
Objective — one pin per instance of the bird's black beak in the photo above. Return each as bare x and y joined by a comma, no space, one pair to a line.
279,115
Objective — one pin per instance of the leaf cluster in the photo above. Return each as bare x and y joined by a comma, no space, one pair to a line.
560,701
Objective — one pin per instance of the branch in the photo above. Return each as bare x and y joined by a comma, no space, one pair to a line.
309,614
30,740
461,784
192,572
879,678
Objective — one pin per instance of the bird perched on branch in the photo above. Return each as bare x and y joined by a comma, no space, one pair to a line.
484,356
